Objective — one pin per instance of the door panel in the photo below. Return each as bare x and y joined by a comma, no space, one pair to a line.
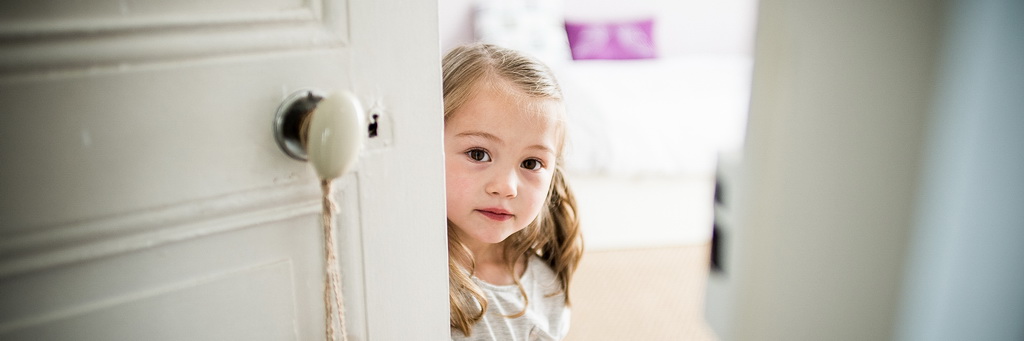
144,196
187,131
187,290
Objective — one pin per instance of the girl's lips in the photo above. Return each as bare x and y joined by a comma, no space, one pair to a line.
495,214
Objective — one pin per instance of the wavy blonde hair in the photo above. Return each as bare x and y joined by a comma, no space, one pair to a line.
554,235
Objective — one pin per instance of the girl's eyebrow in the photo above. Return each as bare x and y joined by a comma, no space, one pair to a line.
482,134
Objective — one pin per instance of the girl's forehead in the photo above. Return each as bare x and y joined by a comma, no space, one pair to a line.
497,106
496,90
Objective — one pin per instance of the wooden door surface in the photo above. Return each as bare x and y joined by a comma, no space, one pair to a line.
143,196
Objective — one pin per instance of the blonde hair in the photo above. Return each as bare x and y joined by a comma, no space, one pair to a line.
554,235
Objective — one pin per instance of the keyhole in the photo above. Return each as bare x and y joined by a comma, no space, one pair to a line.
373,125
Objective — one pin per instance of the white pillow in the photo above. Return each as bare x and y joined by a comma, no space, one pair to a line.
534,27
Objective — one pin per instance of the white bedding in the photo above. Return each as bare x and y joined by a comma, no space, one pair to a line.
653,117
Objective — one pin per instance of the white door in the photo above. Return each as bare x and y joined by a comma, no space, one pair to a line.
143,196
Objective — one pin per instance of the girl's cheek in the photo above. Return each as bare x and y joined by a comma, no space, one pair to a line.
453,180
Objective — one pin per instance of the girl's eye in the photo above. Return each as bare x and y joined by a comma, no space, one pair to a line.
479,155
532,164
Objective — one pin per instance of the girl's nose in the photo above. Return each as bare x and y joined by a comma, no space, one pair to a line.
503,184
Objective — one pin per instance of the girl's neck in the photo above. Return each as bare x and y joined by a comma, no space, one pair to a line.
487,253
492,265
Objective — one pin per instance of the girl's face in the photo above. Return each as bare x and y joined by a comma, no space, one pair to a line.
500,152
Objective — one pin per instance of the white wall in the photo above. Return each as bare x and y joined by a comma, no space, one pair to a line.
455,22
965,275
839,101
883,185
681,27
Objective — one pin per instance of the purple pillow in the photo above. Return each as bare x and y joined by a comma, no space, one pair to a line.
611,40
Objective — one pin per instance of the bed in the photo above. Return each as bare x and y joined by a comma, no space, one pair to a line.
644,136
660,117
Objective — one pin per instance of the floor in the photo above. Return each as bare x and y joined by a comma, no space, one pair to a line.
641,294
645,266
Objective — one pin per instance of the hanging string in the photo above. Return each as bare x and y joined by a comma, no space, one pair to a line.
332,276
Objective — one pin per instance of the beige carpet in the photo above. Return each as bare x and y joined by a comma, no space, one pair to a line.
641,294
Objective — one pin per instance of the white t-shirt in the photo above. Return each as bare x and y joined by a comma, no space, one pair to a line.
546,317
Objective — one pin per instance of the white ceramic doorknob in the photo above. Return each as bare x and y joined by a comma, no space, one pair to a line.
336,133
328,130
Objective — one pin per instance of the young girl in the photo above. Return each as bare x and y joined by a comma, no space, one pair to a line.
513,234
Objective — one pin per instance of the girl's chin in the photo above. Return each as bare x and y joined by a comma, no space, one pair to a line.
490,237
486,232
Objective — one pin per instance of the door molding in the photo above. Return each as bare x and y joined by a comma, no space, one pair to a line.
40,248
113,34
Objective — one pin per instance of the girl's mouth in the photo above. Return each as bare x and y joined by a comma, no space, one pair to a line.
496,214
